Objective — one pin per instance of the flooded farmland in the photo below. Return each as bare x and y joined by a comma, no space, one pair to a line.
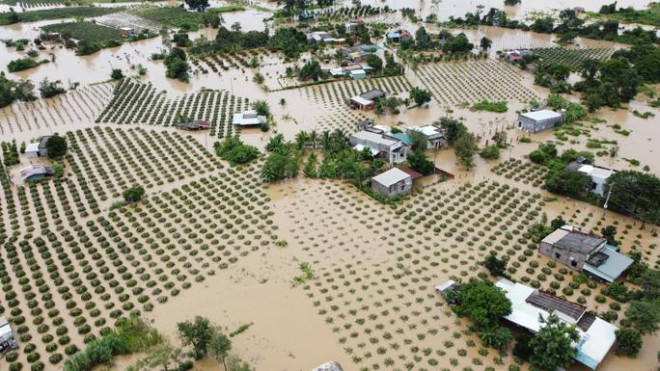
311,268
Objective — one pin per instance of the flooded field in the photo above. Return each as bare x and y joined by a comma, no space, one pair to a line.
214,240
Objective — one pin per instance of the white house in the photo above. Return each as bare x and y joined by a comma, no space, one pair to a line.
392,183
598,175
533,122
7,340
32,150
528,305
329,366
391,149
248,118
435,138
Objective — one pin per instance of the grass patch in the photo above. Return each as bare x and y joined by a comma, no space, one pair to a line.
226,9
61,13
240,330
174,17
307,274
498,107
85,31
24,64
644,115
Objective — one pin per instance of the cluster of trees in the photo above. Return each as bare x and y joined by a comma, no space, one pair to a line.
559,179
445,41
133,194
23,64
235,151
608,83
11,91
553,76
49,89
176,64
131,335
9,153
574,111
283,160
289,41
463,141
635,193
485,303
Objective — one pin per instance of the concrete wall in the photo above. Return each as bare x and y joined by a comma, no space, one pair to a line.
533,126
563,256
401,187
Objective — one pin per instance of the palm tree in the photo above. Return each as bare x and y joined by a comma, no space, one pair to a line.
326,140
301,139
313,138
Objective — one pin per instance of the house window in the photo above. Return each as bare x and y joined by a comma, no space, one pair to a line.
557,255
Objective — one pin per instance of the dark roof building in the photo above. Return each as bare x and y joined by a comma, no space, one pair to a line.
194,125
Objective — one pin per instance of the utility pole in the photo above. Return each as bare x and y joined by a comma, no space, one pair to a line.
607,199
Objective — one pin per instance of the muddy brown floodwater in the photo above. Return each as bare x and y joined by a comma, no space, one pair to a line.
371,303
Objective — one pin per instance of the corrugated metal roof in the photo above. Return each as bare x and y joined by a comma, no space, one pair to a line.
612,267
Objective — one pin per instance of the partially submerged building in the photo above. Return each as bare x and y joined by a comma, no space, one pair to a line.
586,253
34,173
382,145
127,31
435,138
529,306
324,37
394,182
329,366
38,148
598,175
194,125
533,122
7,340
367,101
249,118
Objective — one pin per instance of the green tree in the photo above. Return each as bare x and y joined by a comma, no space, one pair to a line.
567,182
483,302
160,357
420,163
116,74
465,148
609,233
420,96
198,5
133,194
629,342
485,43
490,152
374,62
262,107
644,316
219,347
50,89
552,347
452,128
557,223
56,146
496,267
311,71
198,334
58,170
497,337
235,364
279,166
233,150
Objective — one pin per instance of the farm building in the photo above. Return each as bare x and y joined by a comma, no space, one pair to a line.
390,149
7,340
37,149
329,366
248,118
598,175
194,125
33,173
533,122
367,101
50,36
586,253
392,183
358,74
435,138
528,306
398,36
358,54
127,31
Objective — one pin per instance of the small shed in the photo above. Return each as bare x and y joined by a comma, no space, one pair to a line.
249,118
329,366
127,31
194,125
34,173
32,150
392,183
362,104
533,122
358,74
7,340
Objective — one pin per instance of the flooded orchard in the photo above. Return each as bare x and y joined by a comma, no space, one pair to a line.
314,267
